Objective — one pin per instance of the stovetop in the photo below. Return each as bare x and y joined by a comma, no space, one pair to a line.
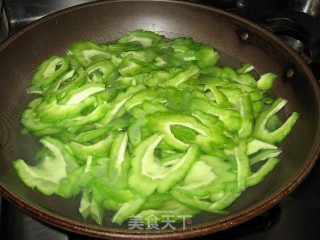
296,217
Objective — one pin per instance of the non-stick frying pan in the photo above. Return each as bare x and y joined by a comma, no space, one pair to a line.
236,39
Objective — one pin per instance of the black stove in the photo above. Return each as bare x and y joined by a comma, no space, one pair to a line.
298,215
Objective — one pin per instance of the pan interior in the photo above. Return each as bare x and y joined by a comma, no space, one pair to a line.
105,22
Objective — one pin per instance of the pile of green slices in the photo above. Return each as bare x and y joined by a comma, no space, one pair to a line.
150,126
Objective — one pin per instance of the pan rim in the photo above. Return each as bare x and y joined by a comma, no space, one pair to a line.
198,230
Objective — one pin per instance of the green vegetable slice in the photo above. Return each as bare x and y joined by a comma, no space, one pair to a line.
50,170
147,175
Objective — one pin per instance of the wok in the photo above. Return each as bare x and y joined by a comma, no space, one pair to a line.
236,39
